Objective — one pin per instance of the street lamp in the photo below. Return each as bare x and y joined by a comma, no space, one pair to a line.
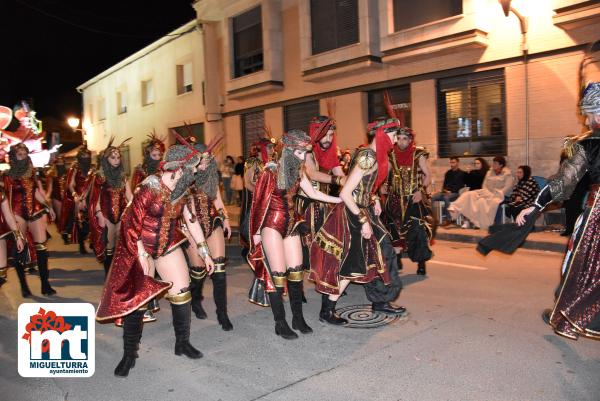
508,8
73,123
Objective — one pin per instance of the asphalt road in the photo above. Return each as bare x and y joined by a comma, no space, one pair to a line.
473,333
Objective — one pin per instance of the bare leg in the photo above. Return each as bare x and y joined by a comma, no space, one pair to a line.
37,228
3,261
197,274
275,253
173,268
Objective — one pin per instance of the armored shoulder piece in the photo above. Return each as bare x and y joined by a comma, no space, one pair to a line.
366,159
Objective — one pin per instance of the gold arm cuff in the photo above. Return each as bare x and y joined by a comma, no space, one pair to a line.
223,213
279,281
295,276
180,299
18,234
203,249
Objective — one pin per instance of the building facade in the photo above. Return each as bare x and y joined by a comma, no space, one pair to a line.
154,90
470,81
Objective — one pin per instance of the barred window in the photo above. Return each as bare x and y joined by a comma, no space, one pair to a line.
472,115
334,24
400,97
409,13
247,42
253,125
298,116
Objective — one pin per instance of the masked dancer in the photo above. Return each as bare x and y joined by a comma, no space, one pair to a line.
153,154
74,217
109,194
276,253
9,230
55,187
214,220
27,201
262,152
150,234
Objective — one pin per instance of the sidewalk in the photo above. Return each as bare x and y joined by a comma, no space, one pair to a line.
543,239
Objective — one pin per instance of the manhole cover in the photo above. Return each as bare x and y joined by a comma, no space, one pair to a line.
362,317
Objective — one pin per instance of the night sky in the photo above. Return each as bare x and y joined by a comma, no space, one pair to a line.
52,46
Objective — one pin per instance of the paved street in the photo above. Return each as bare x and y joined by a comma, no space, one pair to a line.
474,333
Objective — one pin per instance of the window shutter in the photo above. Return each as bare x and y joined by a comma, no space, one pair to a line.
410,13
472,115
400,96
253,125
247,42
298,116
334,24
187,74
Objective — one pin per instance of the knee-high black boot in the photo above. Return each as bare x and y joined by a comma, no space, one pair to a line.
132,332
219,279
328,314
281,327
25,292
295,276
42,260
108,257
421,268
182,313
197,277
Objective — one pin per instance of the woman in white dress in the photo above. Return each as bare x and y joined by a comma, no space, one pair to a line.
480,206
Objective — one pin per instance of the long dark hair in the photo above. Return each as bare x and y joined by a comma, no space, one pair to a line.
484,165
526,172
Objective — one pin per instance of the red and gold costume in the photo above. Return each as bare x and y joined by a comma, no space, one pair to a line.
410,224
273,208
153,219
112,204
82,185
21,195
58,184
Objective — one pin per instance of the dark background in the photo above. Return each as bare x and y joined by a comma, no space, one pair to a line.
49,47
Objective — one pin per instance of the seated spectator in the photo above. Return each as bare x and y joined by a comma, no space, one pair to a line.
480,206
474,178
454,180
523,194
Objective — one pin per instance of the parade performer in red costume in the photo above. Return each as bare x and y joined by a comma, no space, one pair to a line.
261,153
153,154
216,226
55,187
109,194
27,201
352,244
276,253
150,234
74,219
8,227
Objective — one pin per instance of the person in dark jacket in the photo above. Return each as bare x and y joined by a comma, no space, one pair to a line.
454,180
474,178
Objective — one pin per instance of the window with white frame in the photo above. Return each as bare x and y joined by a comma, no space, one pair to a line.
409,13
147,92
184,78
121,102
334,24
247,42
